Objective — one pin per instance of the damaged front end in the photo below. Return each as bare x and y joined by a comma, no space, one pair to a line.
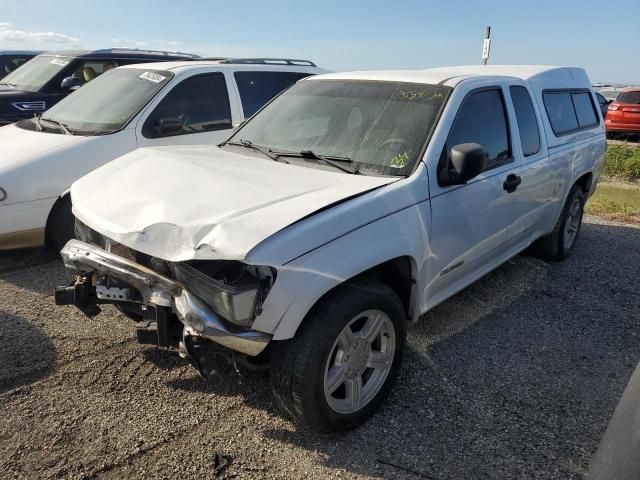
194,306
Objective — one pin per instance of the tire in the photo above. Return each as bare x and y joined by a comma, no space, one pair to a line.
300,366
60,225
558,245
611,136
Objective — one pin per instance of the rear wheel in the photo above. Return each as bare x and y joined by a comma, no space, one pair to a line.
344,359
60,226
559,244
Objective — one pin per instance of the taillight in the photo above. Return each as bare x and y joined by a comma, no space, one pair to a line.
613,107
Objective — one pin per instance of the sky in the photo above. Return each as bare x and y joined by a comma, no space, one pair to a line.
345,35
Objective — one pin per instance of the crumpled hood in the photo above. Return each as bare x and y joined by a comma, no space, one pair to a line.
18,145
202,202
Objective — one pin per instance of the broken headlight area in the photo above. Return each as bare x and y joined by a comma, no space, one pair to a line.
232,289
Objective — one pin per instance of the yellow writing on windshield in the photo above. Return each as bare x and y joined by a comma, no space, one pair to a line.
400,160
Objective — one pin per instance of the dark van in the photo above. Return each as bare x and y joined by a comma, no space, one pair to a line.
47,78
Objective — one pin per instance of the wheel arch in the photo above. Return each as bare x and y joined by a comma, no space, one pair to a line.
399,272
64,197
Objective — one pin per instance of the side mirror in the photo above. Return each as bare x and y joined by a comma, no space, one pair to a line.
468,161
167,126
70,84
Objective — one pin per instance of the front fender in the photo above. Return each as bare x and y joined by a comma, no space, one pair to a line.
302,282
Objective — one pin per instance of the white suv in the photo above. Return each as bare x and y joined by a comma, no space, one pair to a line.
141,105
346,209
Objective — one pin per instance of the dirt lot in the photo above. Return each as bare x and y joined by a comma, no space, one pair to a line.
515,377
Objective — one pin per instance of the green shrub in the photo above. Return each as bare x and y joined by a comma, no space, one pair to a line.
623,162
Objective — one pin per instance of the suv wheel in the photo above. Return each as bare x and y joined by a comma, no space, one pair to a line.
559,244
344,359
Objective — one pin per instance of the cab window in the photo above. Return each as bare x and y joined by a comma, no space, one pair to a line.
481,119
526,119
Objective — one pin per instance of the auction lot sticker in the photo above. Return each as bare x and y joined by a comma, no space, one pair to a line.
60,62
152,77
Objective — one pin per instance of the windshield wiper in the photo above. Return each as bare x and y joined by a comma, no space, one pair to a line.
61,125
12,85
36,120
264,150
334,161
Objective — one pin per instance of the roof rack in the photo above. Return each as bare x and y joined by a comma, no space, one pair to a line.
144,52
270,61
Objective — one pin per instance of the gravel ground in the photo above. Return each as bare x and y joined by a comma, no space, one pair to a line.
516,377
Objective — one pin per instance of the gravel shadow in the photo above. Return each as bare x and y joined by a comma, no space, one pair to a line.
26,352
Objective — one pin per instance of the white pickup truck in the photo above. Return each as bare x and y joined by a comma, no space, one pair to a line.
342,212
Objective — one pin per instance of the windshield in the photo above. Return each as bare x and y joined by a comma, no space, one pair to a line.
36,73
380,126
107,103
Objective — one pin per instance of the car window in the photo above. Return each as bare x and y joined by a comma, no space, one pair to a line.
8,63
482,119
527,121
601,99
560,111
629,97
584,109
199,103
257,88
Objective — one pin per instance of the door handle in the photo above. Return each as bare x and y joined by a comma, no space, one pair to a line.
512,182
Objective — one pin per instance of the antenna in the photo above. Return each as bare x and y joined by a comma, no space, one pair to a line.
486,45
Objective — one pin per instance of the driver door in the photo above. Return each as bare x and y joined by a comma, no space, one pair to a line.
196,111
469,226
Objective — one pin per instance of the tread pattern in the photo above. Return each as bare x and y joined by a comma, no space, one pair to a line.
551,247
299,391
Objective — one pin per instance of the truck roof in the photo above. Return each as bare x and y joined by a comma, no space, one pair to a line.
451,76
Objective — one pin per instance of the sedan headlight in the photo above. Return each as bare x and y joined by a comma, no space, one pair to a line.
231,289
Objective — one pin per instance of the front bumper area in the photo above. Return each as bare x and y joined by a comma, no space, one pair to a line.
92,264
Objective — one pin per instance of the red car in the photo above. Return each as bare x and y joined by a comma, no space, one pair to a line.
623,116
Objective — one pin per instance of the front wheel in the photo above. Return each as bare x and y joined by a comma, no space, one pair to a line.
344,359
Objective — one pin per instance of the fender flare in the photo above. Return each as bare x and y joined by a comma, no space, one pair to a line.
344,267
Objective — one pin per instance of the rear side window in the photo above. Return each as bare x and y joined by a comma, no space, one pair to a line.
629,97
560,111
569,111
584,109
257,88
527,121
482,119
199,103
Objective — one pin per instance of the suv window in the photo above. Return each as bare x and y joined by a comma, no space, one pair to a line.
257,88
9,63
200,103
481,119
89,70
629,97
527,121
